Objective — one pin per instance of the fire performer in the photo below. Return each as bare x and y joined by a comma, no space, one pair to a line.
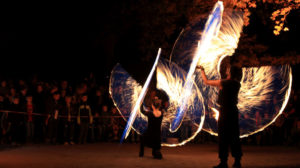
152,136
228,123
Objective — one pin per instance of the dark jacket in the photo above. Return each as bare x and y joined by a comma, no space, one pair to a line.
69,113
52,106
85,112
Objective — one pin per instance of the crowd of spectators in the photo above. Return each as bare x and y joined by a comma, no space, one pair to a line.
68,112
58,111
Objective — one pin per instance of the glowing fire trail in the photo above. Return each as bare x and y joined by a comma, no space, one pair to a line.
211,30
215,113
170,78
140,99
271,84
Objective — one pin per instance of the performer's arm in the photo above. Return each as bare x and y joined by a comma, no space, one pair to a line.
156,111
145,112
216,83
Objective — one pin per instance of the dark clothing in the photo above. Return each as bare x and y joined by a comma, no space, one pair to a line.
106,125
97,103
39,121
39,100
53,109
84,128
52,131
152,136
30,108
228,123
4,91
228,95
85,113
17,124
23,102
69,116
69,128
69,113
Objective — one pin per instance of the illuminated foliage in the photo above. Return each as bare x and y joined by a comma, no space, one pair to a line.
281,9
157,24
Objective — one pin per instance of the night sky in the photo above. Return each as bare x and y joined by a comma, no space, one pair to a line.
69,45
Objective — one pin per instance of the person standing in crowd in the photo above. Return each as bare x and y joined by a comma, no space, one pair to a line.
53,110
23,95
4,90
69,115
63,94
98,101
39,100
115,120
17,122
21,85
228,123
1,113
12,95
106,123
84,119
64,86
4,124
290,124
30,108
297,120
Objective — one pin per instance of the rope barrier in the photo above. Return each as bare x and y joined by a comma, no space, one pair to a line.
60,116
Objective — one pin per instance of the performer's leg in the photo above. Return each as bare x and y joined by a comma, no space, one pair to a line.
223,148
236,150
156,149
142,146
156,153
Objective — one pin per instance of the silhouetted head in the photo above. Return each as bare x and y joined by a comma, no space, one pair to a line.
84,98
56,96
29,98
68,99
230,70
236,73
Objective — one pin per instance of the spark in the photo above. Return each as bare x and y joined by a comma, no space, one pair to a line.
170,78
186,94
257,86
260,86
125,91
140,99
211,30
215,114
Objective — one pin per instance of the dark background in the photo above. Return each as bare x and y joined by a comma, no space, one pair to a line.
71,45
